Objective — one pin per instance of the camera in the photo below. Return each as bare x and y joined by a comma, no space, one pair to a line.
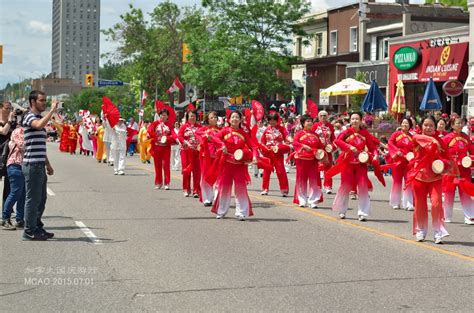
18,112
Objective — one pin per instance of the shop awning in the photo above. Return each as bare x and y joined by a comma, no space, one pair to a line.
470,80
445,63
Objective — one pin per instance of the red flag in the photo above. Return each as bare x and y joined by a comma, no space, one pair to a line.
177,85
312,108
258,110
159,105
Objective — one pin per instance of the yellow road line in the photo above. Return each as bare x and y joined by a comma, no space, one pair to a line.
369,229
348,223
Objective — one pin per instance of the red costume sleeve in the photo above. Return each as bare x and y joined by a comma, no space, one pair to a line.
341,140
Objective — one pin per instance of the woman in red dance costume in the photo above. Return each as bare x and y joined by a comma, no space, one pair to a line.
162,137
428,149
207,155
190,154
324,129
306,144
441,128
353,142
459,147
232,171
274,147
400,145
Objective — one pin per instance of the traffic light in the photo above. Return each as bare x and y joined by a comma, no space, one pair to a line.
89,80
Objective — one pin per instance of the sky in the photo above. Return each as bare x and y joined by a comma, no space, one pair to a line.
25,32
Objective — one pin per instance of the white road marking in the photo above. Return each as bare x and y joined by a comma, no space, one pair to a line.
88,233
50,192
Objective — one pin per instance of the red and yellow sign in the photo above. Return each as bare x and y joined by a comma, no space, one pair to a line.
445,63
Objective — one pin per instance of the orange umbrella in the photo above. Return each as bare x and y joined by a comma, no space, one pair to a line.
398,105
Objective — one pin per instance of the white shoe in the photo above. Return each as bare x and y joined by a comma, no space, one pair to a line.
115,173
396,207
284,194
328,191
362,218
342,216
241,217
207,203
411,209
447,220
186,194
353,197
157,187
219,216
468,221
264,193
302,205
121,173
167,187
438,240
313,206
420,237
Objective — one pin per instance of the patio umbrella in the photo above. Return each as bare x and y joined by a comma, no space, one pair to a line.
398,105
431,100
374,100
348,86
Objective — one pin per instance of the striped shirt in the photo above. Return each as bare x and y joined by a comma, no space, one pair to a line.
35,140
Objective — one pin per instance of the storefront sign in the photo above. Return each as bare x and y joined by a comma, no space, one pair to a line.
453,88
407,76
406,58
369,72
445,63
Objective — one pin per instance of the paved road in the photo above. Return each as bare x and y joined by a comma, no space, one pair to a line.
158,251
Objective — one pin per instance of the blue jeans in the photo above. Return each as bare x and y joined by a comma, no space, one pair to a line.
17,193
35,200
131,148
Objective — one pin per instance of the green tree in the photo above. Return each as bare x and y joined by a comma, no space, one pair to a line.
451,3
237,49
153,47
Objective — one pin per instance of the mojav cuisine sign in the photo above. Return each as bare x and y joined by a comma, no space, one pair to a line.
406,58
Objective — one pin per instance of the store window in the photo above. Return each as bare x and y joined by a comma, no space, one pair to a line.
319,44
333,42
354,37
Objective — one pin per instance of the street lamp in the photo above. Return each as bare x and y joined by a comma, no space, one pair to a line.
190,94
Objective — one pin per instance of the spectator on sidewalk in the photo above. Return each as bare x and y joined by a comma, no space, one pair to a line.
36,165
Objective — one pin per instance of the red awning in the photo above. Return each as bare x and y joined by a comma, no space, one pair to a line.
445,63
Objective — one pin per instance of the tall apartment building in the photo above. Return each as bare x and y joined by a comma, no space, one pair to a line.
76,35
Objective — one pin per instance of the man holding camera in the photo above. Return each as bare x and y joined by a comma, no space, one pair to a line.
36,165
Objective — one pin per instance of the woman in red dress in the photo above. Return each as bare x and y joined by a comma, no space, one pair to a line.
234,171
190,154
162,137
353,142
459,147
400,145
207,155
306,144
428,147
274,147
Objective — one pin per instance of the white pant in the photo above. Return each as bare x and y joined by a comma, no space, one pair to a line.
402,199
110,157
466,202
175,158
119,157
208,192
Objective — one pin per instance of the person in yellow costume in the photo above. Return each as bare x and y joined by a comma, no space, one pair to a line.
144,143
101,156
